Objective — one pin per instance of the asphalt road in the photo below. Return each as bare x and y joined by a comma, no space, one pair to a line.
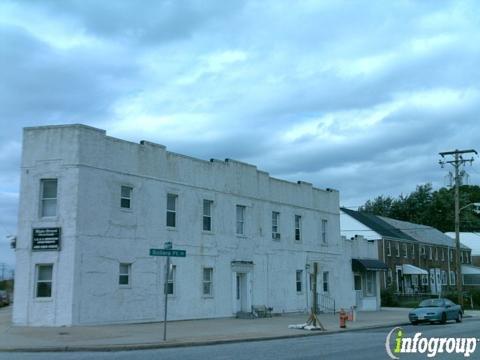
367,344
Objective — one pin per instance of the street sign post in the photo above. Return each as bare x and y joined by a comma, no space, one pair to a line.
167,251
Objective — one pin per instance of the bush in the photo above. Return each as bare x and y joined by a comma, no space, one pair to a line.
388,297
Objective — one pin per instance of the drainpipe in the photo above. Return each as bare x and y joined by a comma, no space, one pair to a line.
383,259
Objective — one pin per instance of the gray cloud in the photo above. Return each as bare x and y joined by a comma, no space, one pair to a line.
357,96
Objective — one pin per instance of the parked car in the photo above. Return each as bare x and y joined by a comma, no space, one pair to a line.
4,298
432,310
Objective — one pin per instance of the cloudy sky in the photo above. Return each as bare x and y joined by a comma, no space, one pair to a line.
354,95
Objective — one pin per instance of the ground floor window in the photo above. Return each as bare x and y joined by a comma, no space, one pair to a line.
452,277
357,282
370,283
325,282
207,281
44,278
444,278
171,280
298,281
389,277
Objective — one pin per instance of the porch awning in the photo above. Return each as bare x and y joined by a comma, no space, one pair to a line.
413,270
470,270
368,264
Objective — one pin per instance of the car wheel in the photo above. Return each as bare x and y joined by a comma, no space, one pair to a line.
444,318
459,317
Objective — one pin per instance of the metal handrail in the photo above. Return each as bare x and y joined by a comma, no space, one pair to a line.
326,303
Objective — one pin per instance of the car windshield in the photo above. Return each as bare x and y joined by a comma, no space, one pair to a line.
431,303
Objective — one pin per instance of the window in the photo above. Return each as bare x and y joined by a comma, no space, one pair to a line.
357,282
171,210
422,250
430,253
370,283
468,258
452,255
444,277
240,220
44,281
124,274
324,232
389,248
207,215
275,221
207,281
405,250
436,254
325,282
298,228
299,281
389,277
443,254
413,251
397,249
48,197
171,280
424,280
452,277
461,257
126,197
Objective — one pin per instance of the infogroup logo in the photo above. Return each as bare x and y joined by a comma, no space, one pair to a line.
429,346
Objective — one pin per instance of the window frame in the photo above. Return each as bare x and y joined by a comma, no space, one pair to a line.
207,216
240,212
299,281
128,275
405,250
172,211
297,219
430,253
44,199
275,225
326,282
370,281
397,249
210,281
171,280
324,231
389,248
129,197
38,281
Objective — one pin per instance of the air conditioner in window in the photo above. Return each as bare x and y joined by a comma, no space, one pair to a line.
276,236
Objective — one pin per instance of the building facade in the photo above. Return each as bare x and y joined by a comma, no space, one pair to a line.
420,259
92,207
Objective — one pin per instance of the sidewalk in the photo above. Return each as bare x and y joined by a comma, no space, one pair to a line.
179,333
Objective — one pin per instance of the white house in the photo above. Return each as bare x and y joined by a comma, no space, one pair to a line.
92,207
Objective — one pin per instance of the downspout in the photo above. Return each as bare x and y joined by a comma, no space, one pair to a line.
383,259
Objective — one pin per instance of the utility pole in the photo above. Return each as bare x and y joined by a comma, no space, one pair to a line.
457,161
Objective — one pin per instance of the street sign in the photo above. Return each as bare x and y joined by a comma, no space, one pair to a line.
167,252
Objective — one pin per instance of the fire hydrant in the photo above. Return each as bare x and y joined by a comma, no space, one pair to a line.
343,316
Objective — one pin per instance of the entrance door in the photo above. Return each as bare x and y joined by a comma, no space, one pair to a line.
241,292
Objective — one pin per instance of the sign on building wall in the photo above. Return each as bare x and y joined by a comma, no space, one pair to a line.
44,239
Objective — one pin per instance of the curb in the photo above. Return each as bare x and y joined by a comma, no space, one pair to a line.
173,344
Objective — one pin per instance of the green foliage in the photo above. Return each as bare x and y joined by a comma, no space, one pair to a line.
388,297
428,207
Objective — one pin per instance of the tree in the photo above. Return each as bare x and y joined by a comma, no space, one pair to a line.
428,207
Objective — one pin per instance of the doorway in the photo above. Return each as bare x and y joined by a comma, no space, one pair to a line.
241,292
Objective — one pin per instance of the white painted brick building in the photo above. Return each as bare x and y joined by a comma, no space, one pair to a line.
107,199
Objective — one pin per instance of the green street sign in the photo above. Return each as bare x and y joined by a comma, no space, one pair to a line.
168,252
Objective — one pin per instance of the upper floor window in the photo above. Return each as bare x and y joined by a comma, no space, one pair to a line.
436,254
422,250
389,248
298,228
207,215
443,254
124,274
48,197
397,249
324,231
461,257
44,278
413,251
171,210
405,250
452,255
275,223
430,253
240,229
126,197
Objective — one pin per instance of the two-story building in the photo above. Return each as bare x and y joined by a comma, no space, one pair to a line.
92,206
420,259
